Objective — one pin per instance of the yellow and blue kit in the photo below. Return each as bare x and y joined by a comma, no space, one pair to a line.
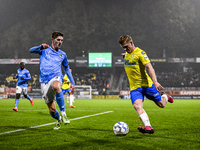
140,83
66,84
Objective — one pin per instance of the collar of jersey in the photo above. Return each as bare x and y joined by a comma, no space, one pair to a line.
54,49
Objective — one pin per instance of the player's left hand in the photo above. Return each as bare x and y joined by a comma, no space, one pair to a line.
22,78
72,87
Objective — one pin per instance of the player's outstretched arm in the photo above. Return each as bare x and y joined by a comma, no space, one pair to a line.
153,76
37,49
70,77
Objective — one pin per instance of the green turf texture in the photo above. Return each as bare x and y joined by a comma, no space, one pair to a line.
177,126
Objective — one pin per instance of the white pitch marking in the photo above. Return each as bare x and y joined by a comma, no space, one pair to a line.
55,122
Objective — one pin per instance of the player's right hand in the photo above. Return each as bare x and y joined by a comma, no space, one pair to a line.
158,86
123,54
44,46
72,87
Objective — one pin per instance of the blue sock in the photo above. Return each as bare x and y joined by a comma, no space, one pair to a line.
56,115
28,97
60,101
16,102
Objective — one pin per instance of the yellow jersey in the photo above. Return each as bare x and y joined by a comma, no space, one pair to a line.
135,69
66,84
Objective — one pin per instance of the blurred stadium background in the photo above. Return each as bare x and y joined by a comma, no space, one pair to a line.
179,76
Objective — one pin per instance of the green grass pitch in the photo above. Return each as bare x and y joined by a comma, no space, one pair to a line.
177,126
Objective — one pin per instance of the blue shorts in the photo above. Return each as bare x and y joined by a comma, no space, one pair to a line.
150,93
66,90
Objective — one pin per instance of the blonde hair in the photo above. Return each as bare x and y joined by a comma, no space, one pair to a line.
124,38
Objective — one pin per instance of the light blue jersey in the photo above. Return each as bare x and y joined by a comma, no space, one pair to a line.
50,62
25,74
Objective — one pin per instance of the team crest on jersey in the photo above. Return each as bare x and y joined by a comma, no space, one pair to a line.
60,54
132,55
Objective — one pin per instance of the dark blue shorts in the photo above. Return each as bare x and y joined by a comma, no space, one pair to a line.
66,90
150,93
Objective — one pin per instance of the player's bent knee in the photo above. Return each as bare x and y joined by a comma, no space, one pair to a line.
159,104
136,106
56,87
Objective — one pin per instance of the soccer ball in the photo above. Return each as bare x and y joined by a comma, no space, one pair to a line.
120,128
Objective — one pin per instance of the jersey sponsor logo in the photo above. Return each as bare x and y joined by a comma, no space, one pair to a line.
126,62
52,57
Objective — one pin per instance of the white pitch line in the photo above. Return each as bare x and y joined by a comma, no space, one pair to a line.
55,122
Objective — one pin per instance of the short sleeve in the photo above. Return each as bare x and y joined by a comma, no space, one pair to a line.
144,58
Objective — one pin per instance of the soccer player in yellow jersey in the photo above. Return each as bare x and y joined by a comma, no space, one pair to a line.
136,62
66,88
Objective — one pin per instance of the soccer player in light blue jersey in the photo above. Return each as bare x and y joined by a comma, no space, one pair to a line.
51,59
23,76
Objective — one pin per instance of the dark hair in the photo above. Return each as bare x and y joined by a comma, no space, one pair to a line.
22,63
55,34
